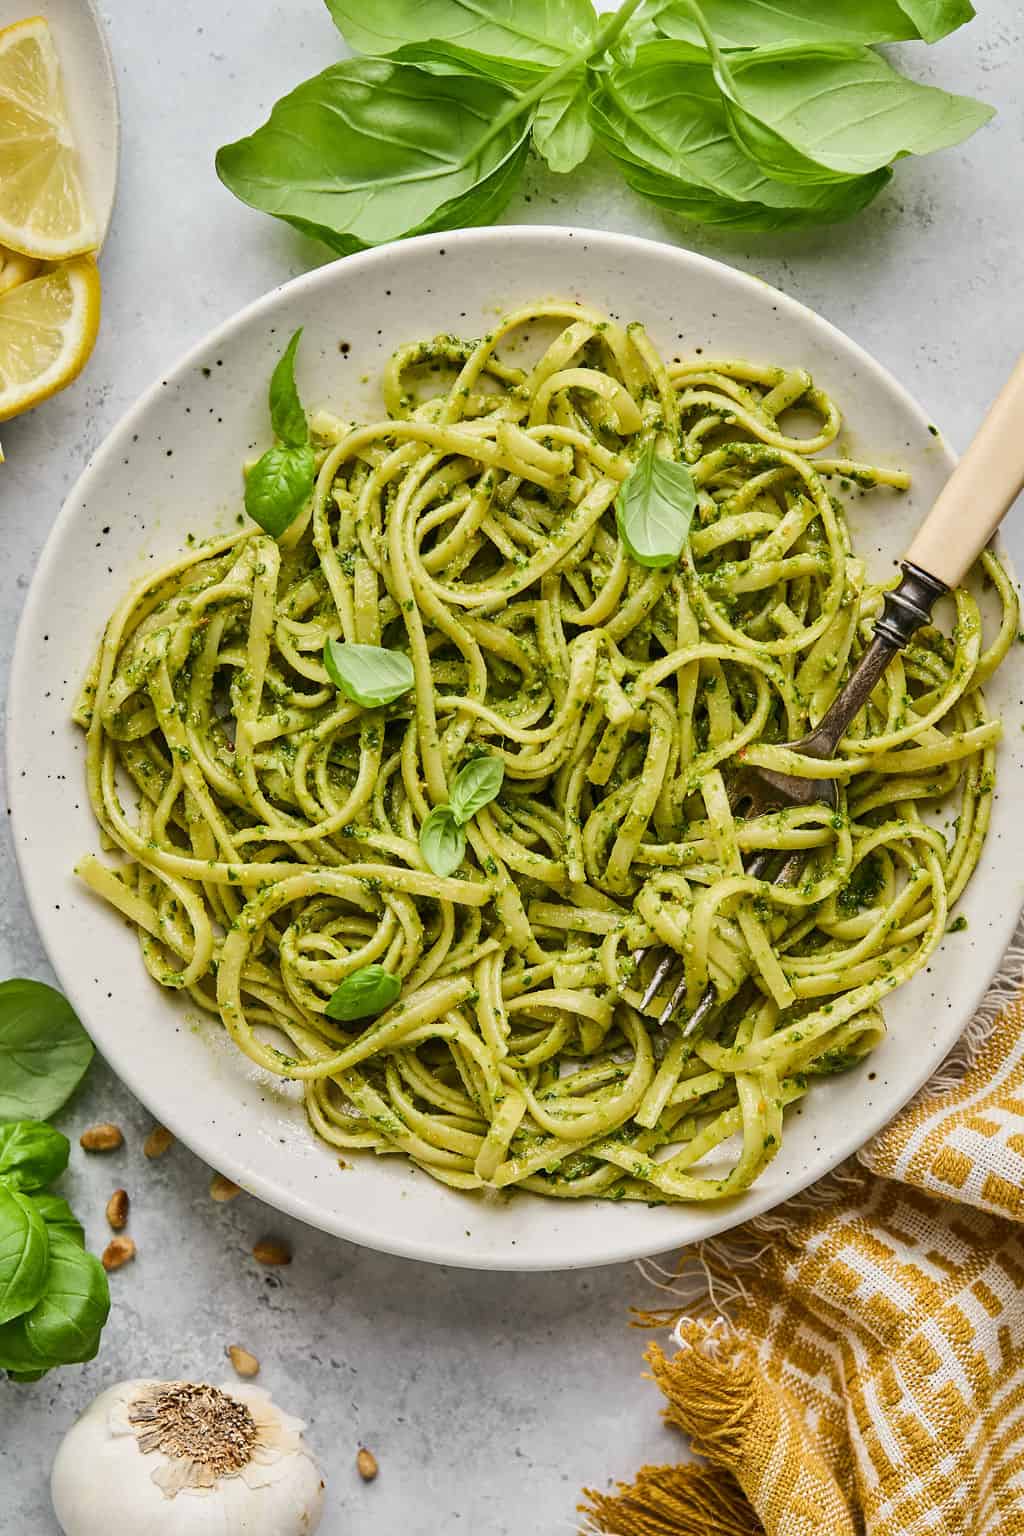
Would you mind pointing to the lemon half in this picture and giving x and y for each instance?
(43, 208)
(48, 328)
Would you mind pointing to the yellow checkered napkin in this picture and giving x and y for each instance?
(869, 1376)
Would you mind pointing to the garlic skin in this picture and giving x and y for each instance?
(253, 1477)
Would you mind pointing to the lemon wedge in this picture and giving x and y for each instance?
(48, 328)
(43, 207)
(15, 268)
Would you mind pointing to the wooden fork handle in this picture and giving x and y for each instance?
(978, 493)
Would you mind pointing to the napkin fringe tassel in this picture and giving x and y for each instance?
(716, 1393)
(712, 1394)
(667, 1501)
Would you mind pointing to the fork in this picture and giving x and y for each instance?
(969, 509)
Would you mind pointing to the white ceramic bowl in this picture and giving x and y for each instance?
(173, 467)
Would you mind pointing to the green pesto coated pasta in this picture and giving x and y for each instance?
(270, 826)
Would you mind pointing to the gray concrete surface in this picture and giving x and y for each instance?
(489, 1400)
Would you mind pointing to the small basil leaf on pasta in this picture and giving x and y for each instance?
(32, 1154)
(287, 416)
(364, 994)
(442, 841)
(369, 675)
(475, 786)
(278, 487)
(654, 509)
(279, 484)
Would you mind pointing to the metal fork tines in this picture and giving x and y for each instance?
(670, 961)
(753, 791)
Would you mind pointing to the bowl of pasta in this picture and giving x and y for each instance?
(384, 746)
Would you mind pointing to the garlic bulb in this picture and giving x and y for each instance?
(170, 1458)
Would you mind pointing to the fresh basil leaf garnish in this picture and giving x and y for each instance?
(475, 786)
(64, 1326)
(561, 126)
(281, 482)
(278, 487)
(371, 150)
(661, 117)
(809, 115)
(783, 23)
(369, 675)
(44, 1051)
(18, 1358)
(32, 1154)
(59, 1216)
(364, 994)
(448, 58)
(798, 121)
(654, 508)
(534, 31)
(937, 18)
(24, 1255)
(442, 841)
(287, 417)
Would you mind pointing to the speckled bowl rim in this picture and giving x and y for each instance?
(220, 1152)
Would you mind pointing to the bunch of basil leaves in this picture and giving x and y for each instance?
(54, 1297)
(757, 114)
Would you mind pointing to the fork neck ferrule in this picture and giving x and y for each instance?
(908, 606)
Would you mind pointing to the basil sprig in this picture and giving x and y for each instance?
(369, 675)
(757, 114)
(654, 508)
(64, 1325)
(280, 483)
(442, 835)
(364, 994)
(54, 1297)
